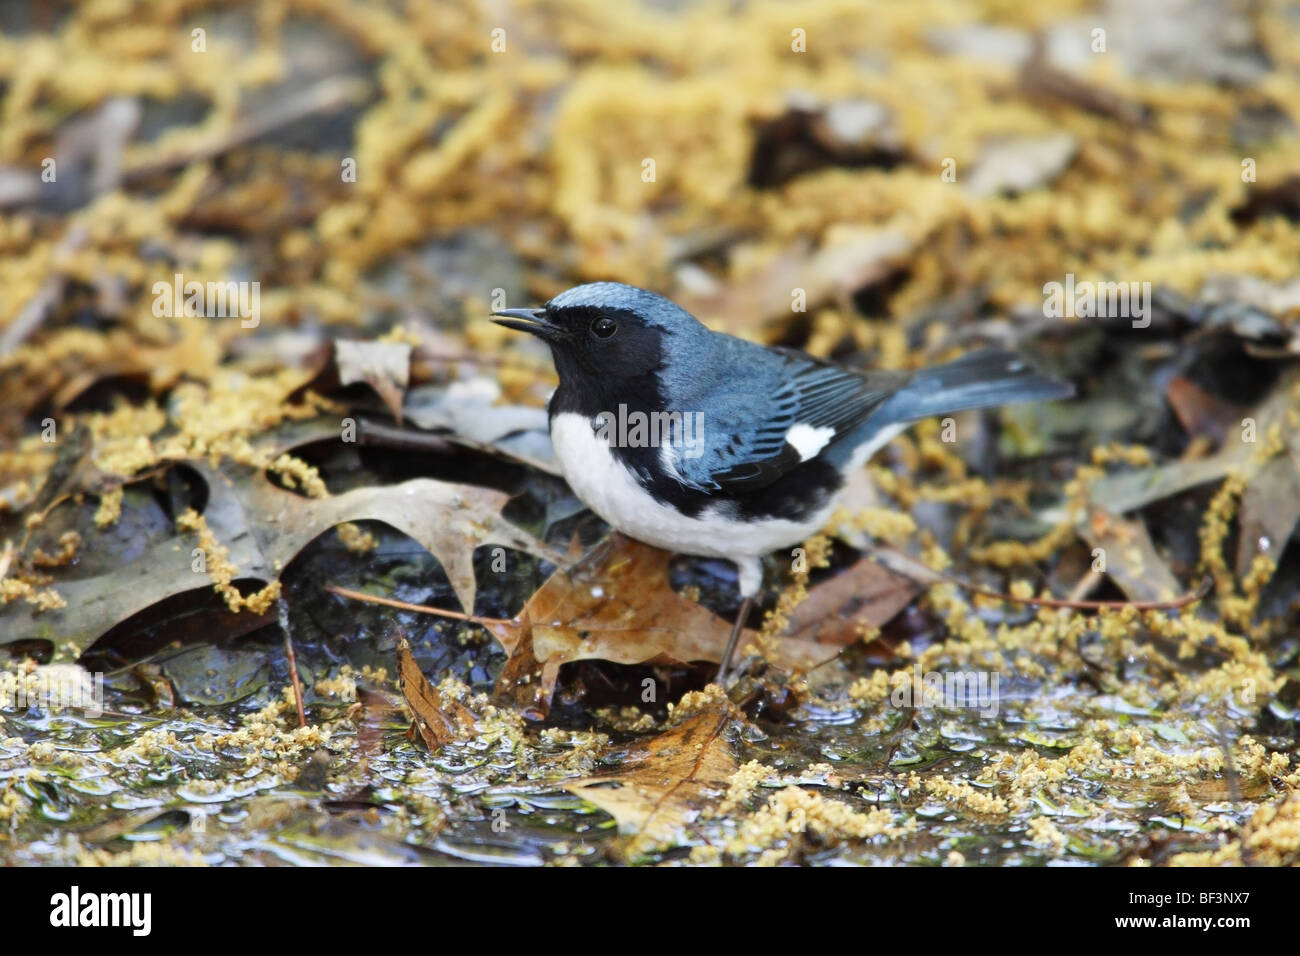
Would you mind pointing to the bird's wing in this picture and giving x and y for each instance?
(752, 440)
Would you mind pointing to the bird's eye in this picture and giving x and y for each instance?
(604, 327)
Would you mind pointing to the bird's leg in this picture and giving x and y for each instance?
(750, 581)
(725, 666)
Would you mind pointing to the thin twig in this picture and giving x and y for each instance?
(1190, 597)
(293, 662)
(297, 681)
(908, 567)
(417, 608)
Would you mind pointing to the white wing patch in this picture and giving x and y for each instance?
(808, 440)
(668, 459)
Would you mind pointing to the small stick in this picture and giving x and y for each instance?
(297, 682)
(293, 662)
(909, 568)
(1191, 597)
(417, 608)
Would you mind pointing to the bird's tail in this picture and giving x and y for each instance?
(979, 380)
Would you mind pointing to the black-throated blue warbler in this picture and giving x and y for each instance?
(702, 443)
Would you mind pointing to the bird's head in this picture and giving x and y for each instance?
(606, 331)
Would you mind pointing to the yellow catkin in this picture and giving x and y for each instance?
(216, 559)
(815, 553)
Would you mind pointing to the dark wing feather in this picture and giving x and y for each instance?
(747, 444)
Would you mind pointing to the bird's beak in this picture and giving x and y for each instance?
(532, 321)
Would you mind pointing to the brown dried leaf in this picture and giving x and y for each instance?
(525, 684)
(1041, 79)
(1201, 413)
(450, 520)
(615, 604)
(663, 784)
(835, 611)
(1270, 506)
(438, 721)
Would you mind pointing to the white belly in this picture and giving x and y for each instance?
(608, 488)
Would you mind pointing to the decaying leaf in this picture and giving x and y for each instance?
(525, 683)
(1199, 412)
(384, 366)
(263, 527)
(1270, 506)
(1126, 491)
(437, 721)
(616, 604)
(663, 784)
(1131, 558)
(1041, 79)
(862, 596)
(470, 413)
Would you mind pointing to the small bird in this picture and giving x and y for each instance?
(702, 443)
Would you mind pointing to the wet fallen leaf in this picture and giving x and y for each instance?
(263, 527)
(663, 784)
(616, 605)
(321, 838)
(524, 683)
(122, 825)
(449, 520)
(212, 676)
(470, 412)
(437, 721)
